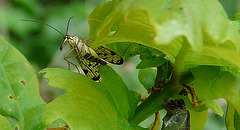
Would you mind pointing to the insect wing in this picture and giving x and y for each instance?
(89, 54)
(91, 69)
(108, 55)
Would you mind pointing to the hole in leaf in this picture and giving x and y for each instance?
(114, 28)
(61, 125)
(23, 82)
(10, 97)
(112, 33)
(49, 93)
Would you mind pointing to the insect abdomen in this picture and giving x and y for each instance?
(91, 58)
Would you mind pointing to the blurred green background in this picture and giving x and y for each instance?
(40, 44)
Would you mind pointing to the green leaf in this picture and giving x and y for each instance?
(147, 77)
(88, 104)
(232, 118)
(155, 102)
(215, 107)
(117, 94)
(150, 57)
(236, 21)
(134, 99)
(163, 24)
(163, 74)
(236, 17)
(20, 101)
(211, 83)
(58, 123)
(151, 54)
(198, 119)
(236, 120)
(187, 77)
(4, 123)
(212, 55)
(127, 50)
(158, 61)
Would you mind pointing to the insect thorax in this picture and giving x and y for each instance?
(82, 50)
(75, 42)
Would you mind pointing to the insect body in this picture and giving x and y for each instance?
(89, 59)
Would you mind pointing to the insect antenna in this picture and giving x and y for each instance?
(42, 23)
(68, 24)
(66, 36)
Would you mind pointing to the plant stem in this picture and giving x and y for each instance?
(153, 103)
(157, 100)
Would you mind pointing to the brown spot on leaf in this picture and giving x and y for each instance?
(59, 128)
(10, 97)
(23, 82)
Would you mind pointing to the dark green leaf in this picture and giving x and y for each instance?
(127, 50)
(236, 16)
(147, 77)
(155, 102)
(232, 118)
(158, 61)
(236, 120)
(134, 99)
(163, 74)
(187, 77)
(211, 83)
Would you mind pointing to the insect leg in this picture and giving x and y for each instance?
(69, 62)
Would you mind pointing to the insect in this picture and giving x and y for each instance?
(89, 59)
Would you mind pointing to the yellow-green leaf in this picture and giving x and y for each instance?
(20, 101)
(163, 24)
(4, 123)
(211, 83)
(88, 104)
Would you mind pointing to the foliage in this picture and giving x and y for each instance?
(189, 50)
(20, 101)
(101, 106)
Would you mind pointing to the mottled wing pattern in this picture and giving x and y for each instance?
(91, 69)
(108, 55)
